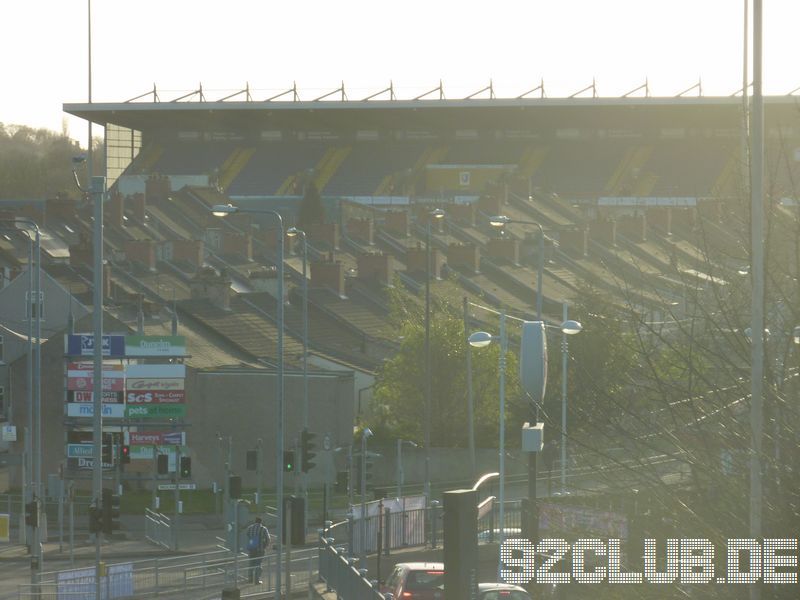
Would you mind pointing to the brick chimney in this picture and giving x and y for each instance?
(376, 267)
(157, 188)
(265, 279)
(633, 227)
(462, 213)
(239, 244)
(415, 261)
(190, 251)
(82, 253)
(466, 256)
(574, 242)
(323, 235)
(604, 231)
(504, 249)
(141, 251)
(361, 229)
(491, 205)
(684, 217)
(208, 285)
(113, 210)
(660, 216)
(61, 207)
(396, 223)
(328, 274)
(138, 205)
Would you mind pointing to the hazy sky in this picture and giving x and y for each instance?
(177, 44)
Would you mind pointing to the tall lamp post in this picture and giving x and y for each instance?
(222, 210)
(365, 434)
(500, 221)
(293, 232)
(400, 473)
(479, 339)
(437, 214)
(567, 328)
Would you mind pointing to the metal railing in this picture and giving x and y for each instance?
(199, 576)
(157, 528)
(340, 573)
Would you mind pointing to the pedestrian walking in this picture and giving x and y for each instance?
(257, 543)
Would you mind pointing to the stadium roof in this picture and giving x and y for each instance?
(495, 113)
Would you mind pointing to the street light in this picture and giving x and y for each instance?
(500, 221)
(568, 327)
(400, 472)
(481, 339)
(223, 210)
(437, 214)
(367, 433)
(293, 232)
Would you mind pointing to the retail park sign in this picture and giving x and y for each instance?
(155, 345)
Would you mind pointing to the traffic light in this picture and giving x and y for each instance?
(162, 464)
(105, 456)
(235, 487)
(32, 513)
(288, 461)
(368, 469)
(111, 511)
(186, 467)
(124, 454)
(95, 519)
(341, 481)
(307, 447)
(252, 460)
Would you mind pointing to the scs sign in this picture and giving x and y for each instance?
(155, 397)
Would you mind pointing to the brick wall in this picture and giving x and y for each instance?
(138, 205)
(240, 244)
(157, 189)
(462, 213)
(328, 274)
(361, 229)
(415, 261)
(604, 231)
(190, 251)
(141, 251)
(465, 256)
(376, 267)
(504, 249)
(396, 223)
(574, 242)
(324, 236)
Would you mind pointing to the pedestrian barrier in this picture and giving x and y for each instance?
(157, 528)
(340, 573)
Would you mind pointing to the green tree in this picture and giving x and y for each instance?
(311, 210)
(400, 386)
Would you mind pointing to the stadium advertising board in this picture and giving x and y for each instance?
(86, 409)
(155, 345)
(108, 397)
(157, 438)
(156, 411)
(137, 384)
(155, 397)
(82, 344)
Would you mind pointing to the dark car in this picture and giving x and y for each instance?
(416, 581)
(501, 591)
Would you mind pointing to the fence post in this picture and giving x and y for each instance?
(387, 527)
(434, 516)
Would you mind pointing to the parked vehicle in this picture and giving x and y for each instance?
(502, 591)
(417, 581)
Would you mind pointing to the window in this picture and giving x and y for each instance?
(30, 307)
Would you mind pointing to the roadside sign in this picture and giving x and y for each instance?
(156, 411)
(181, 486)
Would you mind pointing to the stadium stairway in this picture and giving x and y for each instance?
(233, 165)
(531, 160)
(329, 164)
(632, 162)
(147, 157)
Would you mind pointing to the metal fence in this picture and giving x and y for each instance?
(158, 529)
(340, 573)
(200, 577)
